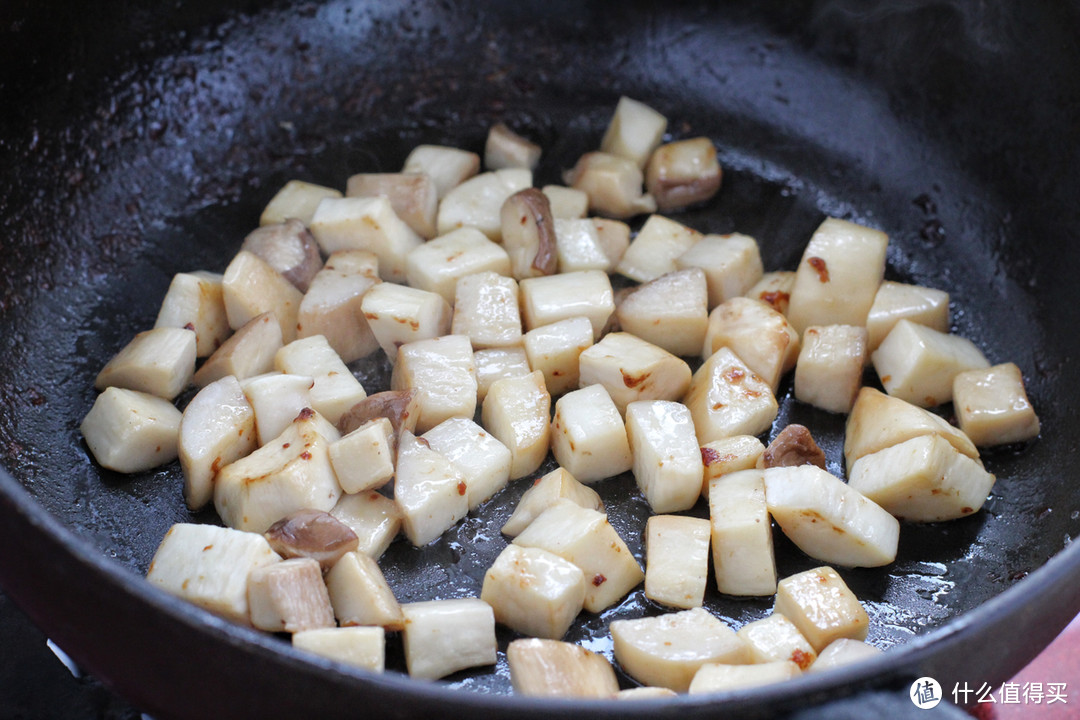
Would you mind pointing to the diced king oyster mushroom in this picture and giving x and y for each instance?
(366, 223)
(683, 173)
(555, 349)
(728, 455)
(774, 288)
(793, 446)
(289, 596)
(645, 692)
(400, 407)
(296, 199)
(364, 458)
(579, 247)
(828, 519)
(159, 362)
(896, 301)
(634, 131)
(545, 492)
(829, 372)
(374, 518)
(448, 167)
(613, 184)
(656, 249)
(632, 369)
(566, 203)
(775, 638)
(667, 457)
(552, 668)
(587, 293)
(587, 539)
(217, 428)
(441, 637)
(438, 264)
(918, 364)
(130, 431)
(332, 306)
(277, 399)
(360, 594)
(442, 373)
(478, 201)
(399, 314)
(993, 407)
(335, 390)
(413, 196)
(666, 650)
(822, 607)
(486, 309)
(516, 410)
(676, 560)
(430, 492)
(194, 301)
(843, 651)
(363, 647)
(670, 311)
(312, 534)
(497, 363)
(588, 436)
(249, 352)
(726, 398)
(534, 592)
(478, 455)
(759, 335)
(742, 545)
(720, 677)
(504, 148)
(250, 287)
(289, 248)
(209, 566)
(289, 473)
(732, 265)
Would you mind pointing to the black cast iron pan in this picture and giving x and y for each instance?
(141, 141)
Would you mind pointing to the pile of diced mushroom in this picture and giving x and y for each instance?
(493, 298)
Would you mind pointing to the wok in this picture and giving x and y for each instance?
(140, 140)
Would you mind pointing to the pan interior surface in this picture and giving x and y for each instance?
(128, 174)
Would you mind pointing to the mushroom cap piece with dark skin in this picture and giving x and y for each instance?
(397, 406)
(528, 234)
(794, 446)
(312, 534)
(289, 248)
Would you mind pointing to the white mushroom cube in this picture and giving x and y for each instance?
(289, 596)
(362, 647)
(829, 372)
(566, 203)
(209, 566)
(993, 407)
(828, 519)
(217, 428)
(249, 352)
(335, 390)
(517, 411)
(613, 184)
(838, 276)
(683, 173)
(552, 668)
(843, 651)
(726, 398)
(288, 248)
(924, 479)
(878, 421)
(366, 223)
(545, 300)
(728, 455)
(413, 196)
(158, 362)
(399, 314)
(374, 518)
(364, 459)
(667, 457)
(775, 639)
(666, 650)
(277, 399)
(444, 636)
(635, 130)
(670, 311)
(588, 436)
(360, 595)
(545, 492)
(554, 350)
(657, 247)
(577, 243)
(614, 238)
(250, 287)
(442, 373)
(534, 592)
(632, 369)
(448, 167)
(486, 309)
(438, 264)
(297, 199)
(497, 363)
(645, 692)
(478, 201)
(431, 493)
(774, 288)
(291, 472)
(332, 306)
(587, 539)
(822, 607)
(130, 431)
(676, 560)
(504, 148)
(918, 364)
(742, 545)
(898, 301)
(721, 677)
(760, 336)
(194, 300)
(480, 457)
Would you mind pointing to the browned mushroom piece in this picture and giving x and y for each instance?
(312, 534)
(400, 407)
(528, 234)
(683, 173)
(793, 446)
(412, 195)
(289, 248)
(506, 149)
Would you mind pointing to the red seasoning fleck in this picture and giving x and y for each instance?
(819, 265)
(801, 658)
(598, 580)
(709, 456)
(462, 488)
(305, 455)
